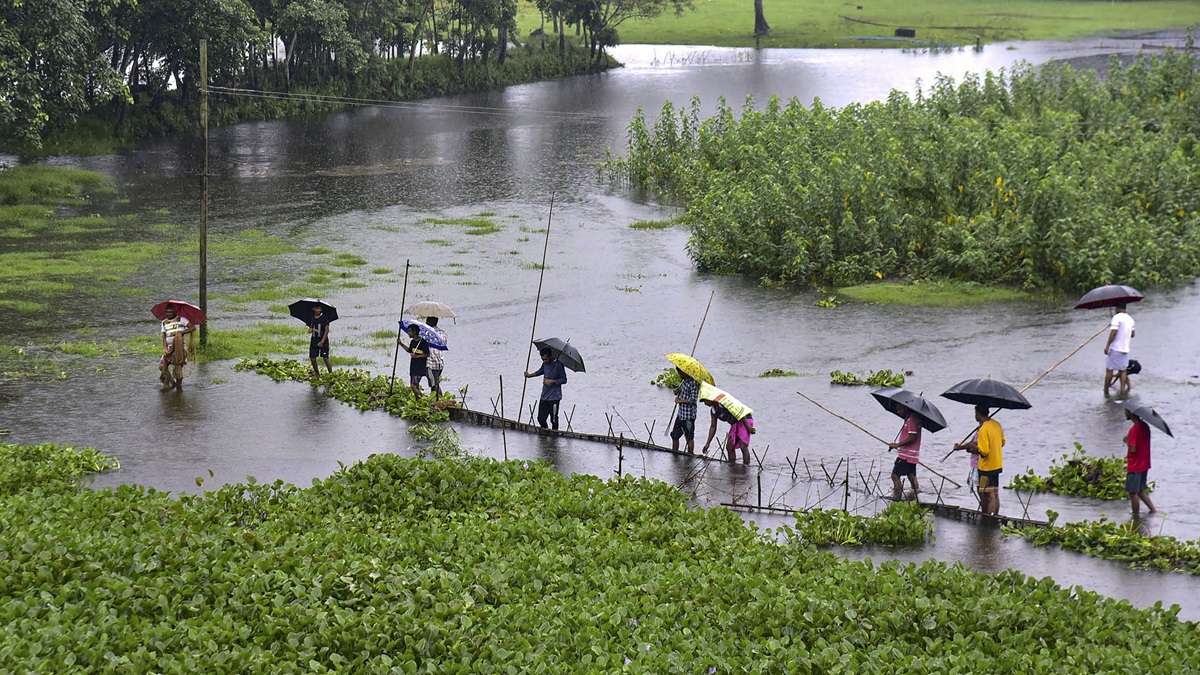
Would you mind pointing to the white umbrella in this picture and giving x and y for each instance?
(431, 308)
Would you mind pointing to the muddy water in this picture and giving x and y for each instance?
(365, 180)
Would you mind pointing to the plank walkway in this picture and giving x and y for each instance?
(959, 513)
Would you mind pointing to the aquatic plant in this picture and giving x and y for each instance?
(406, 565)
(778, 372)
(1079, 475)
(669, 378)
(900, 524)
(1118, 541)
(652, 225)
(357, 388)
(45, 465)
(874, 378)
(828, 302)
(1033, 178)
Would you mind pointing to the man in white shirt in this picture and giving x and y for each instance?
(1120, 337)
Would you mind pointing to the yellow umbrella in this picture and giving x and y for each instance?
(691, 366)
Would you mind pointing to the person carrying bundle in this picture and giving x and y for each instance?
(736, 414)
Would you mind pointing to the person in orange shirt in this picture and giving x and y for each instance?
(988, 444)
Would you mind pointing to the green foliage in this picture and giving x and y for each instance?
(668, 379)
(900, 524)
(1034, 178)
(874, 378)
(47, 466)
(778, 372)
(652, 224)
(34, 184)
(828, 302)
(1079, 475)
(1118, 541)
(357, 388)
(932, 293)
(407, 565)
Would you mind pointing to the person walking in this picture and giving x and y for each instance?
(1116, 352)
(318, 341)
(437, 361)
(988, 445)
(737, 415)
(908, 448)
(686, 395)
(174, 351)
(418, 365)
(554, 376)
(1137, 463)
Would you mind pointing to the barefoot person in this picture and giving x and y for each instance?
(1137, 464)
(437, 361)
(1116, 352)
(174, 354)
(736, 414)
(318, 341)
(908, 449)
(418, 365)
(554, 376)
(686, 396)
(988, 444)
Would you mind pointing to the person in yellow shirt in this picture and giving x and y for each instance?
(988, 444)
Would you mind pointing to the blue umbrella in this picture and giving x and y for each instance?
(427, 332)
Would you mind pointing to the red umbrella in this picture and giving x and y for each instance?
(1112, 295)
(187, 310)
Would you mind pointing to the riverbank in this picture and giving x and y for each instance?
(116, 127)
(506, 564)
(832, 23)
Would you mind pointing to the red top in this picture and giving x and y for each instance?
(1138, 440)
(910, 440)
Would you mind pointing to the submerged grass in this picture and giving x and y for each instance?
(932, 293)
(652, 225)
(236, 343)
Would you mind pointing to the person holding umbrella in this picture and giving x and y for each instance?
(988, 445)
(437, 361)
(1137, 456)
(418, 365)
(737, 415)
(691, 374)
(1116, 351)
(174, 353)
(918, 414)
(554, 376)
(318, 341)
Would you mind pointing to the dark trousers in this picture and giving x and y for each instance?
(548, 410)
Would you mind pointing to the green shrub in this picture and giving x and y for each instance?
(1079, 475)
(900, 524)
(874, 378)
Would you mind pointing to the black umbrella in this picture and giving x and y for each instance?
(902, 402)
(1109, 296)
(1148, 415)
(563, 351)
(991, 393)
(303, 310)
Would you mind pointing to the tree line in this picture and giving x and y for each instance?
(63, 58)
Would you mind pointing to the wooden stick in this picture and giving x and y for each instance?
(396, 356)
(503, 422)
(538, 301)
(860, 428)
(695, 343)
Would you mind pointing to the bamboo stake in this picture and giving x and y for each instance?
(865, 431)
(537, 301)
(503, 420)
(396, 356)
(695, 343)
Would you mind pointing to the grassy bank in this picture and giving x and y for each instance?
(468, 564)
(835, 23)
(1044, 179)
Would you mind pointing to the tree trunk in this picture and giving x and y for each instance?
(503, 37)
(760, 22)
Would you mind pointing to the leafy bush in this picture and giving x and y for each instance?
(402, 565)
(1035, 178)
(778, 372)
(1079, 475)
(1118, 541)
(669, 379)
(23, 467)
(357, 388)
(874, 378)
(900, 524)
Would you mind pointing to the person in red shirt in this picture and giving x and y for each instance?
(1137, 463)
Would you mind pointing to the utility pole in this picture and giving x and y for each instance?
(204, 192)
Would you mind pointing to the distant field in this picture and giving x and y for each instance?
(838, 23)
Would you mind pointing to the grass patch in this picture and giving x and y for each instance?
(381, 270)
(533, 266)
(53, 185)
(932, 293)
(485, 214)
(382, 334)
(465, 222)
(479, 231)
(352, 284)
(89, 349)
(532, 230)
(348, 260)
(778, 372)
(319, 250)
(652, 225)
(261, 339)
(439, 242)
(26, 307)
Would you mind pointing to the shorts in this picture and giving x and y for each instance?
(1135, 482)
(435, 377)
(904, 468)
(316, 349)
(416, 369)
(684, 428)
(989, 480)
(1116, 360)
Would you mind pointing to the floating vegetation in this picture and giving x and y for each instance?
(357, 388)
(828, 302)
(533, 266)
(1079, 475)
(439, 242)
(900, 524)
(348, 260)
(932, 293)
(24, 467)
(874, 378)
(669, 379)
(629, 289)
(381, 270)
(1117, 541)
(778, 372)
(652, 225)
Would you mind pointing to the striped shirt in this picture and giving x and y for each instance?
(689, 390)
(910, 440)
(436, 359)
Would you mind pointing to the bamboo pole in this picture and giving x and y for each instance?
(204, 192)
(503, 420)
(1031, 385)
(695, 343)
(396, 356)
(537, 302)
(856, 425)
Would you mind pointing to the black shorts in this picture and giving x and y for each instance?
(684, 428)
(989, 480)
(903, 468)
(1135, 482)
(316, 349)
(416, 368)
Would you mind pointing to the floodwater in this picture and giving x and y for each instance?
(364, 181)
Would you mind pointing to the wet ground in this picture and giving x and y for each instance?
(365, 180)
